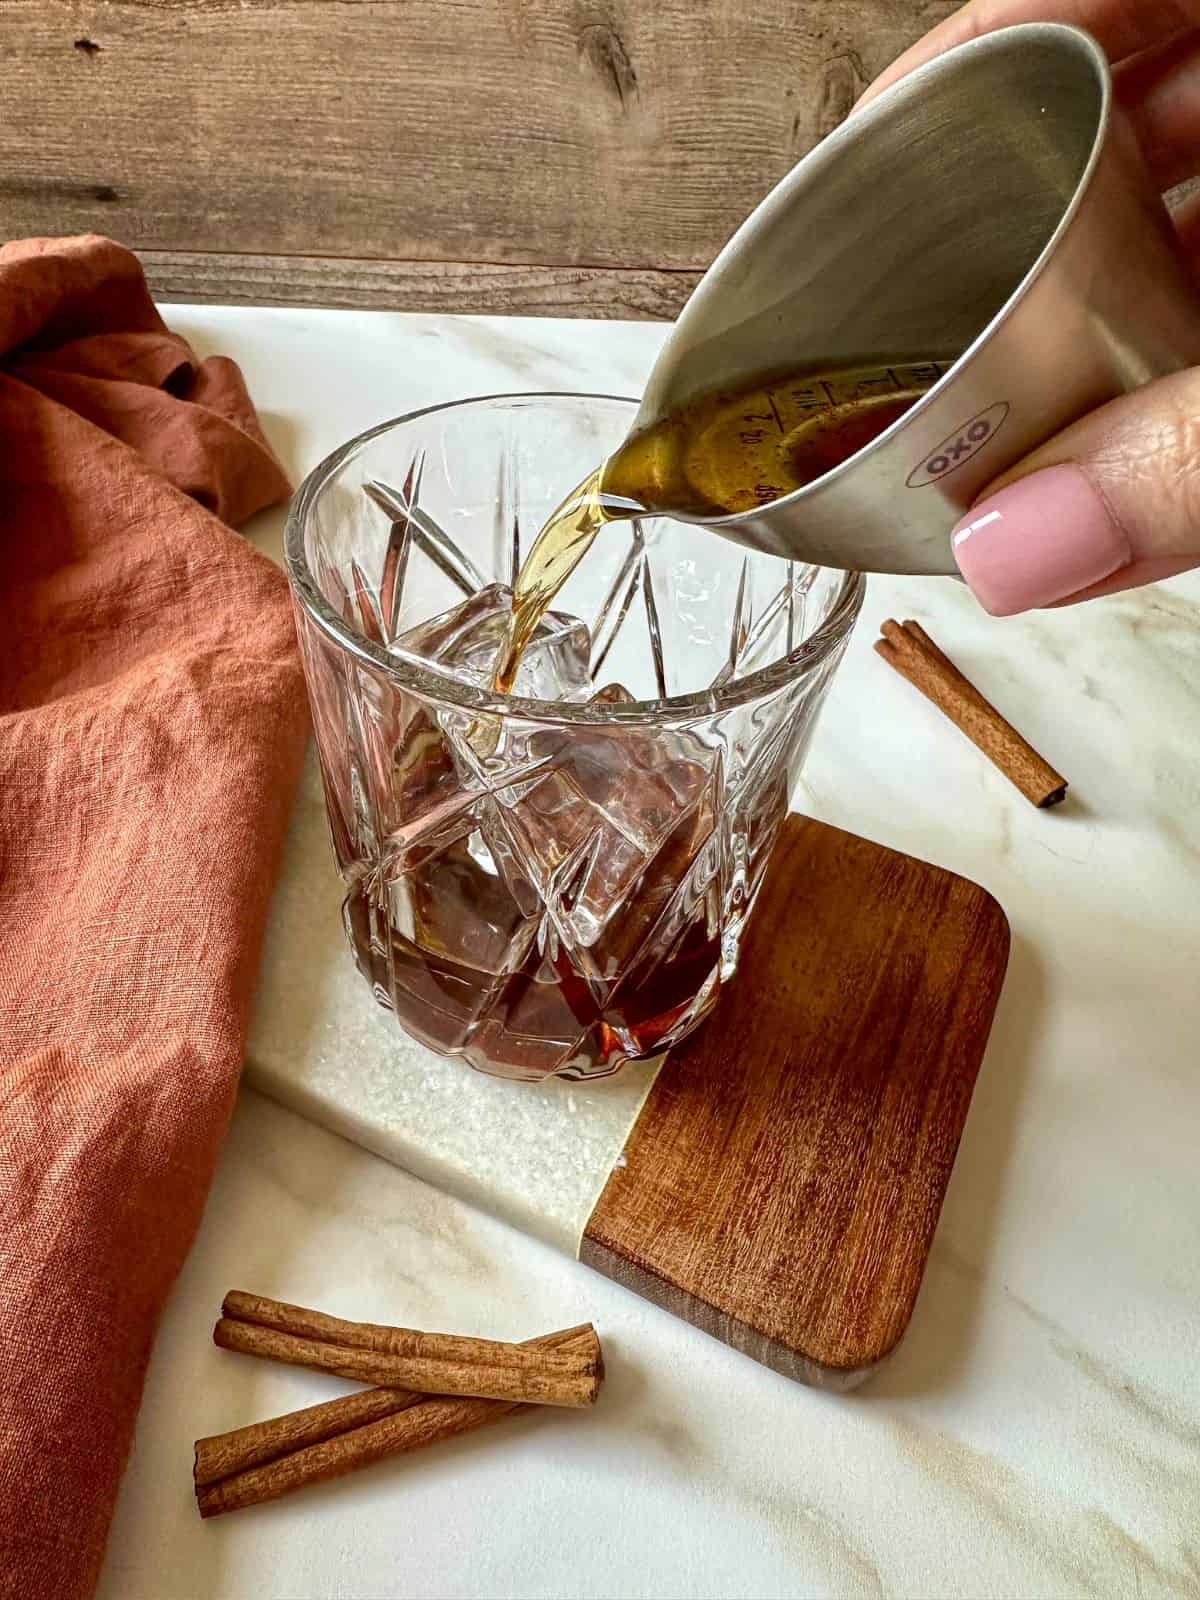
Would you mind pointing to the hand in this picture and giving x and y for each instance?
(1114, 500)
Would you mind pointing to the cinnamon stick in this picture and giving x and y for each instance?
(275, 1458)
(411, 1429)
(546, 1385)
(912, 653)
(224, 1454)
(307, 1324)
(221, 1455)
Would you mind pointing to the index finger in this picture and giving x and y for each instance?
(1123, 27)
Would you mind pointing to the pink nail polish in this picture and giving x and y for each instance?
(1037, 541)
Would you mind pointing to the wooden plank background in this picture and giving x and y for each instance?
(553, 156)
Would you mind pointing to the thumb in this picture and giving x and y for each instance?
(1111, 502)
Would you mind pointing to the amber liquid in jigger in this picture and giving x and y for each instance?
(723, 452)
(522, 999)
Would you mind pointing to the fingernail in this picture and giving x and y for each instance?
(1037, 541)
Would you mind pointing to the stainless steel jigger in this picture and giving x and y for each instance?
(992, 209)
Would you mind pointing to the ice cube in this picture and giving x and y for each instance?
(466, 641)
(606, 830)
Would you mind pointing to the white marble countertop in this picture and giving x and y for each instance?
(1038, 1432)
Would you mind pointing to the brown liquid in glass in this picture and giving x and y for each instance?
(726, 451)
(469, 972)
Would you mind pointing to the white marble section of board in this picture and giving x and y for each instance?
(535, 1154)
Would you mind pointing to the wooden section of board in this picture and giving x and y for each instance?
(591, 137)
(782, 1184)
(203, 277)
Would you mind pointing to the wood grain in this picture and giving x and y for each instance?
(603, 136)
(783, 1182)
(206, 277)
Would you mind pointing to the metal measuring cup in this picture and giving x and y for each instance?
(991, 210)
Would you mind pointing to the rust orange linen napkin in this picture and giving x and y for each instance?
(152, 723)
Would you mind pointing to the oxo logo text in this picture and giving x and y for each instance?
(962, 444)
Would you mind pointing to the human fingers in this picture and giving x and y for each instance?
(1123, 28)
(1112, 500)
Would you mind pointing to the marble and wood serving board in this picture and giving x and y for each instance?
(883, 764)
(778, 1180)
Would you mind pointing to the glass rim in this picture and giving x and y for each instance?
(431, 683)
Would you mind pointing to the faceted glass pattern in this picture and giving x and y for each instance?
(554, 881)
